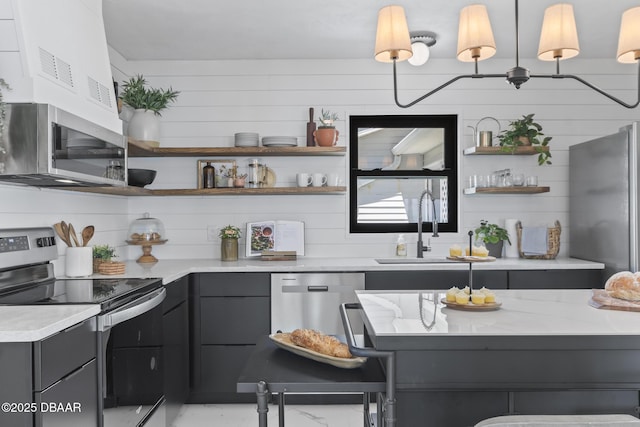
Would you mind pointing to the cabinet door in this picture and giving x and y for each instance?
(220, 373)
(434, 279)
(555, 279)
(234, 320)
(176, 360)
(177, 292)
(16, 377)
(72, 401)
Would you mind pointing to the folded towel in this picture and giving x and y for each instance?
(534, 240)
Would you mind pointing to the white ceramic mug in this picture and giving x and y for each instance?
(333, 179)
(318, 179)
(79, 261)
(303, 179)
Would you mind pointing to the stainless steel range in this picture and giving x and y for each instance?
(130, 343)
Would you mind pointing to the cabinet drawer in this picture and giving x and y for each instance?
(440, 280)
(58, 355)
(234, 320)
(78, 393)
(555, 279)
(234, 284)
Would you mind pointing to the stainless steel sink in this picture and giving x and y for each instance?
(401, 260)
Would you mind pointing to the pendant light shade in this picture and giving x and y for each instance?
(475, 37)
(629, 39)
(392, 38)
(559, 36)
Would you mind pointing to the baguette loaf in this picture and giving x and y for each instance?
(319, 342)
(624, 285)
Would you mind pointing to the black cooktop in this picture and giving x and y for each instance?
(109, 293)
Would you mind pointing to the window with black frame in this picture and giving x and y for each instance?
(393, 161)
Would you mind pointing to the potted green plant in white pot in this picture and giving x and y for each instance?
(493, 236)
(326, 135)
(147, 103)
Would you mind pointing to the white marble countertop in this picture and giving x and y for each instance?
(170, 270)
(32, 323)
(557, 312)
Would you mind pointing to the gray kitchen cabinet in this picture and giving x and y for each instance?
(434, 279)
(57, 376)
(228, 313)
(556, 279)
(175, 322)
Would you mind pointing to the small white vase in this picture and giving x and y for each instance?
(144, 126)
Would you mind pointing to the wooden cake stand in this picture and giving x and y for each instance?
(146, 249)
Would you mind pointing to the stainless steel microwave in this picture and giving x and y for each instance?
(44, 146)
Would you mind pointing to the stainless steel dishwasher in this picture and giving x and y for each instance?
(312, 300)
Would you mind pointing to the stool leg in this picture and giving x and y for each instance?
(365, 409)
(262, 393)
(281, 410)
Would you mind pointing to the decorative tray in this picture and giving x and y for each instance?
(472, 258)
(490, 306)
(283, 341)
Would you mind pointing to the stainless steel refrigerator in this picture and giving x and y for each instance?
(603, 200)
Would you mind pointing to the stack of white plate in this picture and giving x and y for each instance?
(280, 141)
(247, 139)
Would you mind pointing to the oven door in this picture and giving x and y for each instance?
(131, 361)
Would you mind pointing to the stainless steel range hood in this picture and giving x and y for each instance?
(55, 52)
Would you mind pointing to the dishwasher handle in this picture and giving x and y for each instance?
(296, 289)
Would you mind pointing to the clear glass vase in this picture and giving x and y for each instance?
(229, 250)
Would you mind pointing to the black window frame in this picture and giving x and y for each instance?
(449, 122)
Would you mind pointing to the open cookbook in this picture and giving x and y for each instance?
(275, 236)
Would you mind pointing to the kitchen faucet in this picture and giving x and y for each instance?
(434, 224)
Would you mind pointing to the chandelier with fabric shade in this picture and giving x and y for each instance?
(558, 41)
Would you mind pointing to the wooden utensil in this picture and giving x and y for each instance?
(311, 127)
(65, 232)
(72, 233)
(87, 234)
(61, 234)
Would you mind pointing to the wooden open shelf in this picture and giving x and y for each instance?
(137, 191)
(496, 151)
(506, 190)
(142, 149)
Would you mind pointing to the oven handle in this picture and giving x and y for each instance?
(133, 309)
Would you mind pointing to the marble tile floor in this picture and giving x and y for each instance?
(245, 415)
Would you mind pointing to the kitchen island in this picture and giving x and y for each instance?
(541, 352)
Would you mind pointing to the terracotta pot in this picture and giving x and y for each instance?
(326, 137)
(144, 126)
(524, 140)
(229, 250)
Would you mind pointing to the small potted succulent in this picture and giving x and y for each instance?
(144, 125)
(526, 132)
(326, 135)
(229, 236)
(493, 236)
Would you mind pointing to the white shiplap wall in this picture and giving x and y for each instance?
(220, 98)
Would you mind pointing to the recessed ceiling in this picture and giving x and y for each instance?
(331, 29)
